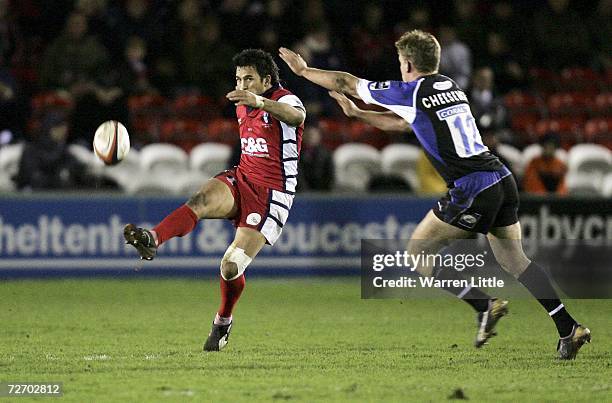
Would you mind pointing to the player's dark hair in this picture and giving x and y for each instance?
(421, 49)
(261, 60)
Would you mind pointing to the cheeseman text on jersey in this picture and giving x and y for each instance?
(440, 116)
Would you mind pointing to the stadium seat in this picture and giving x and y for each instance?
(210, 158)
(569, 104)
(6, 184)
(579, 78)
(355, 164)
(519, 101)
(360, 132)
(126, 171)
(543, 80)
(10, 155)
(146, 103)
(193, 106)
(602, 106)
(401, 160)
(222, 131)
(163, 157)
(146, 113)
(51, 101)
(189, 183)
(334, 132)
(523, 124)
(183, 133)
(590, 158)
(535, 150)
(606, 186)
(583, 183)
(84, 155)
(159, 182)
(599, 131)
(568, 129)
(514, 156)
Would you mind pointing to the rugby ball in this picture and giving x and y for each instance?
(111, 142)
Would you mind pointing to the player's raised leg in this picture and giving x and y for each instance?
(239, 254)
(431, 235)
(213, 200)
(508, 250)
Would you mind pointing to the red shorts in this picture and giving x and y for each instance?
(259, 207)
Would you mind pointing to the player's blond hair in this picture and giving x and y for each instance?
(421, 49)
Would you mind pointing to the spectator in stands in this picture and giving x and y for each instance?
(74, 57)
(316, 168)
(419, 18)
(46, 162)
(430, 181)
(509, 73)
(318, 48)
(601, 32)
(135, 72)
(141, 18)
(455, 57)
(487, 108)
(9, 109)
(206, 57)
(546, 174)
(9, 32)
(78, 63)
(97, 21)
(468, 21)
(561, 35)
(370, 44)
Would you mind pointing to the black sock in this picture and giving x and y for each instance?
(537, 282)
(473, 296)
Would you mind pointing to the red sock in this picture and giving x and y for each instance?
(178, 223)
(230, 292)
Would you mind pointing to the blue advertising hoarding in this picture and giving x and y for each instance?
(61, 234)
(64, 234)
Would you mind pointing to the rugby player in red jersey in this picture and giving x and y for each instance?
(257, 194)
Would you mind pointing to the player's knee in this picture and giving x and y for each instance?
(234, 263)
(229, 270)
(513, 265)
(198, 203)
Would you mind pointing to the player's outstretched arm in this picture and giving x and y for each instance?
(284, 112)
(387, 121)
(332, 80)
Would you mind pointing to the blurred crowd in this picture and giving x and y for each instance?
(163, 66)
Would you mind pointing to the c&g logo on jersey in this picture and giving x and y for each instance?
(251, 145)
(380, 85)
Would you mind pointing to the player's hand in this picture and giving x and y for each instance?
(295, 62)
(243, 97)
(348, 107)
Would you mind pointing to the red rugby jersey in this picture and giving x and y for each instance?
(270, 148)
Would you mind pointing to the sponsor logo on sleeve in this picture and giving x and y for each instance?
(442, 85)
(380, 85)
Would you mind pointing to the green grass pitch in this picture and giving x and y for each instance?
(293, 340)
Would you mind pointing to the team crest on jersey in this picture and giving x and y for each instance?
(266, 118)
(442, 85)
(253, 219)
(380, 85)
